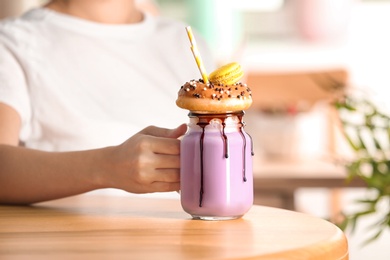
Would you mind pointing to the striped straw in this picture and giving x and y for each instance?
(197, 56)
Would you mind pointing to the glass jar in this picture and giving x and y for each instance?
(216, 167)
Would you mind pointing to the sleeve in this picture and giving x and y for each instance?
(13, 87)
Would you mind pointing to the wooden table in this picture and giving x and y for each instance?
(109, 227)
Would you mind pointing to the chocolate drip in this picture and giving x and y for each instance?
(203, 126)
(243, 155)
(204, 120)
(225, 140)
(250, 137)
(243, 147)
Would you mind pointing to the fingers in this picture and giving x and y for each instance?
(163, 161)
(164, 168)
(179, 131)
(157, 186)
(167, 175)
(162, 140)
(164, 145)
(164, 132)
(165, 186)
(158, 145)
(152, 160)
(151, 167)
(158, 181)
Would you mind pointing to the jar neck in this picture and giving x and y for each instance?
(216, 115)
(226, 119)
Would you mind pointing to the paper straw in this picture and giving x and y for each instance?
(197, 56)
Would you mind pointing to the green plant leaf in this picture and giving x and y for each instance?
(370, 163)
(373, 238)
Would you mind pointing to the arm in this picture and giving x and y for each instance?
(146, 162)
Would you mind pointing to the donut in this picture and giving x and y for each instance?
(227, 74)
(199, 97)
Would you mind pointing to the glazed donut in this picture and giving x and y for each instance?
(214, 98)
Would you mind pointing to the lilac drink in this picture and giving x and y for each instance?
(216, 167)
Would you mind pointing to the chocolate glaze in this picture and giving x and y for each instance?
(201, 164)
(204, 120)
(225, 140)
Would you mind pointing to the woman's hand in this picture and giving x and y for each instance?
(147, 162)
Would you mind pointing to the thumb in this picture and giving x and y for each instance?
(165, 132)
(178, 131)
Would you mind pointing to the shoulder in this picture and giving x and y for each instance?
(16, 29)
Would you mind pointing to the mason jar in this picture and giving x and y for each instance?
(216, 167)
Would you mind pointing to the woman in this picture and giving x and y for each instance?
(77, 78)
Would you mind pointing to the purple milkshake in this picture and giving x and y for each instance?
(216, 153)
(216, 167)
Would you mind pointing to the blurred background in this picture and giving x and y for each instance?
(293, 52)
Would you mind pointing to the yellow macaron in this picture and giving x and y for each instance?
(228, 74)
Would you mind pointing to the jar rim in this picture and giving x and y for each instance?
(212, 114)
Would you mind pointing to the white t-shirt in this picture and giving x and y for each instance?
(79, 85)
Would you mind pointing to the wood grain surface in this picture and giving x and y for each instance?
(117, 227)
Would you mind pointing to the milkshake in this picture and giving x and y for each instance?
(216, 152)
